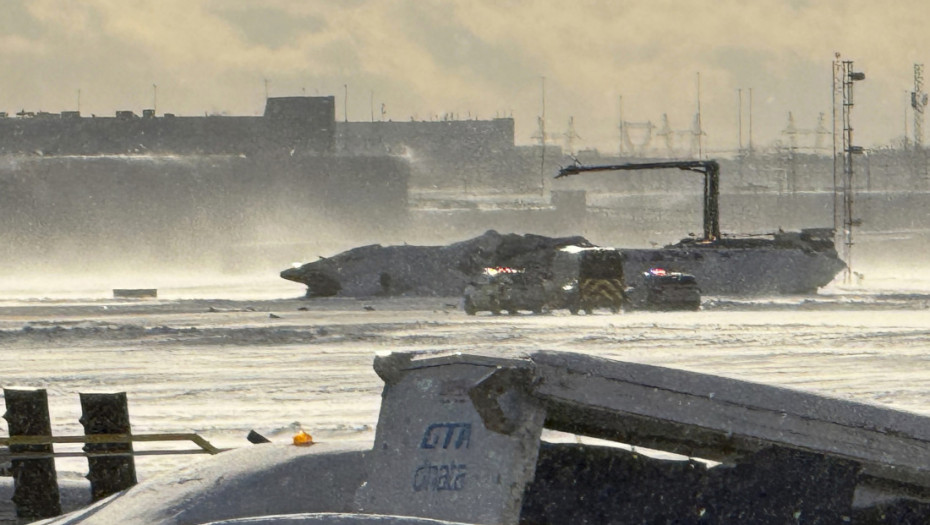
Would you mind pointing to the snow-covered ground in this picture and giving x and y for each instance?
(223, 359)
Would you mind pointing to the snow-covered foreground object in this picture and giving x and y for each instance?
(459, 440)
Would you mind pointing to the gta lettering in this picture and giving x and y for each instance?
(439, 477)
(440, 435)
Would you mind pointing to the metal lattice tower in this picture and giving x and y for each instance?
(644, 131)
(792, 131)
(918, 103)
(667, 133)
(821, 131)
(843, 79)
(570, 136)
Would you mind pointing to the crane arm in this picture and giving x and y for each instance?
(710, 169)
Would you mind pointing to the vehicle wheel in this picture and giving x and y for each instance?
(589, 311)
(470, 307)
(495, 307)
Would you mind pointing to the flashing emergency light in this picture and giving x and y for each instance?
(502, 269)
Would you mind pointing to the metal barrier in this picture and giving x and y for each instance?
(204, 446)
(107, 443)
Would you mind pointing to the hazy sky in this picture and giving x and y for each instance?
(474, 58)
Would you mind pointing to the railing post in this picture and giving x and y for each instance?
(35, 482)
(107, 414)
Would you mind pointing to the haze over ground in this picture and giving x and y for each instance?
(474, 58)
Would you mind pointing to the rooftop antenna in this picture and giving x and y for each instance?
(79, 100)
(345, 103)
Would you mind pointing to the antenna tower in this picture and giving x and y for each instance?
(843, 79)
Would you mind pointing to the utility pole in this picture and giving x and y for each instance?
(345, 103)
(154, 99)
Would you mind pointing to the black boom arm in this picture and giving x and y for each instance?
(710, 169)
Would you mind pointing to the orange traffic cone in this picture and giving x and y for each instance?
(302, 439)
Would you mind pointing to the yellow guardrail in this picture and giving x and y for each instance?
(204, 446)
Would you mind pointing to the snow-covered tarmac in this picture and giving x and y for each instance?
(221, 367)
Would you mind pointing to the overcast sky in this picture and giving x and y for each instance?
(474, 58)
